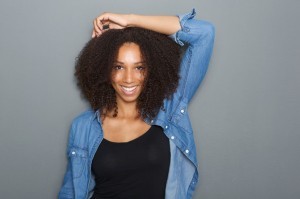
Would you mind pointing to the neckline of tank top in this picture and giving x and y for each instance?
(133, 140)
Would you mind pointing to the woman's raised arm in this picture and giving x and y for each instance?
(162, 24)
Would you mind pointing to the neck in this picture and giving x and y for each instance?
(127, 110)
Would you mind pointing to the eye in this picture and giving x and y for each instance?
(140, 67)
(118, 67)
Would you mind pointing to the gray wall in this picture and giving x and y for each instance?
(245, 115)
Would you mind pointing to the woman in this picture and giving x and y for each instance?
(137, 141)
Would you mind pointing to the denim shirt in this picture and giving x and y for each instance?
(86, 131)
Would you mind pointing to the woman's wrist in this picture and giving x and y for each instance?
(162, 24)
(132, 20)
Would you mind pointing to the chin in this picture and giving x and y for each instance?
(128, 99)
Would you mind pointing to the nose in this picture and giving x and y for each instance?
(128, 76)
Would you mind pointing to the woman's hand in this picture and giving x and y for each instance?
(109, 21)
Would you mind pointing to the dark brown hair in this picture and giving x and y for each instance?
(95, 63)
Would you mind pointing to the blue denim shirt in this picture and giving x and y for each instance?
(86, 131)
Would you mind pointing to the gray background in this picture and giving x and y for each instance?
(245, 115)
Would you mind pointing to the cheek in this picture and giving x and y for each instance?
(143, 75)
(142, 78)
(115, 77)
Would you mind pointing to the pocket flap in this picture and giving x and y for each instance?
(78, 152)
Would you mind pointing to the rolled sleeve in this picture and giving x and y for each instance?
(199, 37)
(182, 19)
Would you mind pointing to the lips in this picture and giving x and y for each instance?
(128, 90)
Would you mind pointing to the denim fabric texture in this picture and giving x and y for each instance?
(86, 131)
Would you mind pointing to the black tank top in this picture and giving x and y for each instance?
(137, 169)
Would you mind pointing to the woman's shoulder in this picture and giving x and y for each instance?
(81, 126)
(84, 118)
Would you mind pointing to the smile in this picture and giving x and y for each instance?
(128, 90)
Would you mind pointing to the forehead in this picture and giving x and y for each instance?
(129, 52)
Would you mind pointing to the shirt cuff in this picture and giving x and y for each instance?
(182, 20)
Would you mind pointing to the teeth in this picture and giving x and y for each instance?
(129, 89)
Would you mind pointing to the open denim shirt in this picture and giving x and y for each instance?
(86, 131)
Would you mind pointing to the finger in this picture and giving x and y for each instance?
(96, 27)
(115, 26)
(100, 21)
(104, 21)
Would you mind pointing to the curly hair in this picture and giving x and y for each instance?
(94, 65)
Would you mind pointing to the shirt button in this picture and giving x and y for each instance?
(73, 152)
(166, 127)
(172, 137)
(187, 151)
(151, 121)
(182, 110)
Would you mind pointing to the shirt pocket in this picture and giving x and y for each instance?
(78, 158)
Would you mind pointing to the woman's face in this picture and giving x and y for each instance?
(128, 73)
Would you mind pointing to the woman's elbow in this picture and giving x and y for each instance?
(207, 30)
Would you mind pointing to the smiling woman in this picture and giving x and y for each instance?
(137, 140)
(129, 73)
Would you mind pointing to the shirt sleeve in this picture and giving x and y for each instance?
(198, 35)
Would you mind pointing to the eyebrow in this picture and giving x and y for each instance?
(136, 63)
